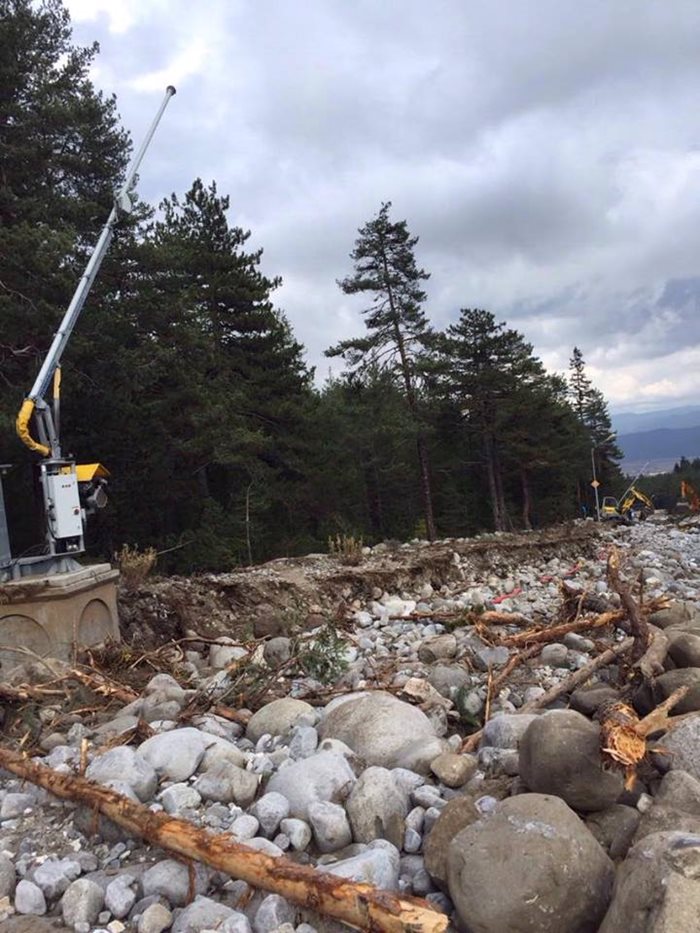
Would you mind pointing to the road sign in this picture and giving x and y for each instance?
(595, 484)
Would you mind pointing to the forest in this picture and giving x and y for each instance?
(186, 380)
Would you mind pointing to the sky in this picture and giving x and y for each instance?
(545, 152)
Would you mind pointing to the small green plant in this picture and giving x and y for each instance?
(346, 547)
(323, 658)
(135, 565)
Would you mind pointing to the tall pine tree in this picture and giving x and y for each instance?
(484, 365)
(397, 328)
(592, 412)
(62, 154)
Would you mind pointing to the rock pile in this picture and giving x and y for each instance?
(529, 833)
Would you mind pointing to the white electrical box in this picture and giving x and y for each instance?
(63, 505)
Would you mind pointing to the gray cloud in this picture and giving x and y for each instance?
(546, 154)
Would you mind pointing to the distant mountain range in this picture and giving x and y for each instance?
(660, 438)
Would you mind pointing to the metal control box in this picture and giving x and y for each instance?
(63, 501)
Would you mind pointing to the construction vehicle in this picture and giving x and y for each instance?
(634, 505)
(690, 500)
(70, 491)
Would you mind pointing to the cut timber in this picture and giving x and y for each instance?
(359, 905)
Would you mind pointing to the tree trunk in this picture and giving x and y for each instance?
(373, 498)
(527, 502)
(495, 491)
(423, 460)
(425, 487)
(359, 905)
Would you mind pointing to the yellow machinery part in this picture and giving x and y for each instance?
(22, 427)
(86, 472)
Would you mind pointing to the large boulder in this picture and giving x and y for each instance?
(384, 731)
(377, 807)
(277, 718)
(682, 677)
(614, 828)
(530, 867)
(459, 812)
(560, 755)
(678, 612)
(124, 764)
(684, 648)
(683, 745)
(657, 887)
(176, 755)
(323, 776)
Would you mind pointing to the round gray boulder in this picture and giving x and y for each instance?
(323, 776)
(384, 731)
(277, 718)
(530, 867)
(560, 755)
(657, 886)
(683, 745)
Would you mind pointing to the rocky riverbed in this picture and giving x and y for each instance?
(350, 755)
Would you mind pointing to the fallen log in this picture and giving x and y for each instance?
(566, 686)
(358, 905)
(555, 632)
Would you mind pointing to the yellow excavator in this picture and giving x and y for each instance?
(633, 506)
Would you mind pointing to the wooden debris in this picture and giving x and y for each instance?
(557, 632)
(651, 662)
(566, 686)
(638, 625)
(358, 905)
(623, 735)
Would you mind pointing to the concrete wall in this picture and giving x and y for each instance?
(50, 615)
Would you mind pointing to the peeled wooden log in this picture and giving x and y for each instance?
(358, 905)
(556, 632)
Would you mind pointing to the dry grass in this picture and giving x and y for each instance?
(135, 565)
(347, 548)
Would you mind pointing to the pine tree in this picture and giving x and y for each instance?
(62, 154)
(200, 396)
(483, 366)
(397, 328)
(592, 411)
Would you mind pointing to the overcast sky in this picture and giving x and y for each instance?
(546, 152)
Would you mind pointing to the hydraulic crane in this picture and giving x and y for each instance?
(70, 491)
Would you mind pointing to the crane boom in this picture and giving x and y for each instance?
(70, 492)
(34, 403)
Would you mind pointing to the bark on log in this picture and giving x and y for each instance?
(358, 905)
(652, 661)
(555, 632)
